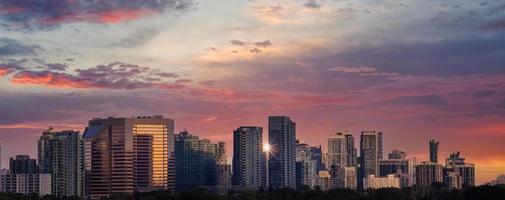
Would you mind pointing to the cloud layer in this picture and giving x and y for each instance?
(110, 76)
(37, 14)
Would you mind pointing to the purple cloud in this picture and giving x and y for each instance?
(110, 76)
(9, 47)
(43, 14)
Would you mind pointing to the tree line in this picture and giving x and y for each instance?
(436, 192)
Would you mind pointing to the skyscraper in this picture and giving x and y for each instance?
(337, 150)
(457, 164)
(428, 173)
(352, 153)
(123, 155)
(1, 157)
(370, 154)
(337, 159)
(22, 164)
(195, 162)
(61, 155)
(434, 151)
(282, 161)
(248, 158)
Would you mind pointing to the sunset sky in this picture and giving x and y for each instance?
(414, 69)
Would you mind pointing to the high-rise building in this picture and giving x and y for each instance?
(370, 154)
(352, 153)
(195, 162)
(428, 173)
(1, 157)
(306, 166)
(337, 159)
(434, 151)
(61, 155)
(26, 184)
(282, 160)
(124, 155)
(22, 164)
(248, 158)
(390, 181)
(457, 164)
(337, 151)
(223, 174)
(317, 155)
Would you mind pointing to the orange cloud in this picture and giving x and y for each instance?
(122, 15)
(51, 79)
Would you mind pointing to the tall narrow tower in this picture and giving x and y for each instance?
(61, 155)
(282, 162)
(337, 150)
(370, 154)
(434, 151)
(248, 158)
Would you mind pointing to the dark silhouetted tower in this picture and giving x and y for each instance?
(434, 151)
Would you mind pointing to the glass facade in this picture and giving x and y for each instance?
(151, 155)
(124, 155)
(282, 161)
(196, 162)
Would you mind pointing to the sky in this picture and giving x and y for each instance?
(413, 69)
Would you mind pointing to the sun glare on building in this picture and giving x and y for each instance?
(266, 148)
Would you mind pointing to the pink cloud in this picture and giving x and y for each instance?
(4, 71)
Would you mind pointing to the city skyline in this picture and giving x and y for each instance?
(142, 154)
(337, 132)
(416, 70)
(380, 153)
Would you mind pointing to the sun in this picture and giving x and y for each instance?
(266, 148)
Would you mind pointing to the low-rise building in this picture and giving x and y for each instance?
(323, 180)
(26, 184)
(372, 182)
